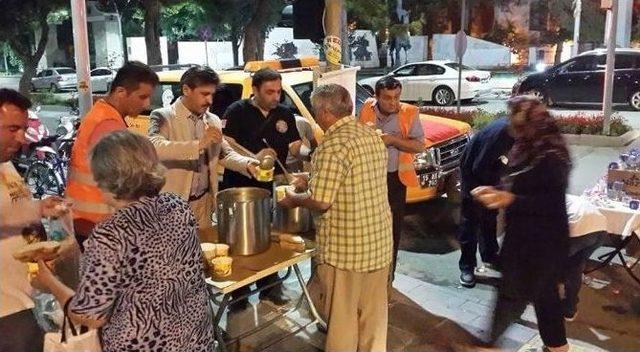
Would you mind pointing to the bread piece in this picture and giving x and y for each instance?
(291, 239)
(47, 250)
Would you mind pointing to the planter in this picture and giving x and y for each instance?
(602, 141)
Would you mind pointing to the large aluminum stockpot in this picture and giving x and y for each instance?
(244, 219)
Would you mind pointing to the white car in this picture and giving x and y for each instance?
(101, 79)
(436, 81)
(55, 79)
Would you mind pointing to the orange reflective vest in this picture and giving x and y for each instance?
(81, 188)
(406, 170)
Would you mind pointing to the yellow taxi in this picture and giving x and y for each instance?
(437, 166)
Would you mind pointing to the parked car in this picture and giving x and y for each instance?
(55, 79)
(580, 80)
(436, 81)
(101, 79)
(437, 165)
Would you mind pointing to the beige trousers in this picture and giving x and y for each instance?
(203, 208)
(354, 305)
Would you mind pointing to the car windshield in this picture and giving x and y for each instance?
(304, 92)
(455, 66)
(64, 71)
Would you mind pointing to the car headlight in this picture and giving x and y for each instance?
(425, 160)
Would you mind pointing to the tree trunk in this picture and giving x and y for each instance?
(30, 61)
(250, 47)
(235, 44)
(152, 31)
(254, 33)
(235, 48)
(558, 57)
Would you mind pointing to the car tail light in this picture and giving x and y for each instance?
(473, 78)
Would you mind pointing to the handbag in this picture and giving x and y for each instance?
(71, 339)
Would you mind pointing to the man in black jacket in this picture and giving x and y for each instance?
(483, 163)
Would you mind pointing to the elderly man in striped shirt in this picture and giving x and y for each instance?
(348, 187)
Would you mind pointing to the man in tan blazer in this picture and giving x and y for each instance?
(189, 142)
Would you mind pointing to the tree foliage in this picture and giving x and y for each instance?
(246, 21)
(21, 19)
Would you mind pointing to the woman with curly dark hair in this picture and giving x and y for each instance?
(535, 246)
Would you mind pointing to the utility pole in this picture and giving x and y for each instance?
(461, 47)
(81, 48)
(612, 15)
(333, 29)
(577, 15)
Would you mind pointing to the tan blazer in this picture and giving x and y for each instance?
(171, 132)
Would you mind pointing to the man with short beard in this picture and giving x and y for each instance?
(401, 131)
(189, 142)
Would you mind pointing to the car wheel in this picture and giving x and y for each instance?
(54, 88)
(443, 96)
(634, 100)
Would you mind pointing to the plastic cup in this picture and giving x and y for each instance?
(281, 192)
(209, 250)
(222, 266)
(222, 250)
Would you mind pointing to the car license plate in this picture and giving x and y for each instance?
(428, 180)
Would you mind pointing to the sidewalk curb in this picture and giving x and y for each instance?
(602, 141)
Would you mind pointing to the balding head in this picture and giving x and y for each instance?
(330, 103)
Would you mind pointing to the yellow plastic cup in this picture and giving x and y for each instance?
(222, 266)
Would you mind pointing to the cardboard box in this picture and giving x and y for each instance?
(630, 178)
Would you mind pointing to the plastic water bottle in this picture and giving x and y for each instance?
(57, 231)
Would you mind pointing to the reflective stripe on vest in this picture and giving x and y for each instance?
(406, 169)
(82, 190)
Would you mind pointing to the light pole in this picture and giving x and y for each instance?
(612, 15)
(577, 14)
(81, 49)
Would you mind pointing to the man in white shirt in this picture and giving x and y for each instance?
(19, 330)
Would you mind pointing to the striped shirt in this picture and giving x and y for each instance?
(350, 172)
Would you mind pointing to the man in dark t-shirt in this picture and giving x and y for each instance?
(248, 122)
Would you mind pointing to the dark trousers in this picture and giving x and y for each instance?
(580, 249)
(477, 229)
(397, 193)
(548, 307)
(19, 332)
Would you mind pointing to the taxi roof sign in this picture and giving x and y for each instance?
(303, 62)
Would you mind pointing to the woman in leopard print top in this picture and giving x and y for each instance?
(142, 279)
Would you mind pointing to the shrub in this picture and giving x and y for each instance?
(580, 123)
(591, 124)
(48, 98)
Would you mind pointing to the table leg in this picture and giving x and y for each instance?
(609, 256)
(222, 346)
(312, 307)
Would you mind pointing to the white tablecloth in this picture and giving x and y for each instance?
(621, 220)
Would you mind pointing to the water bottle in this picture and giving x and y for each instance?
(57, 230)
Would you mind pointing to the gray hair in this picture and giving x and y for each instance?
(127, 165)
(334, 98)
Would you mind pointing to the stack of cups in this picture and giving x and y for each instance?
(217, 259)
